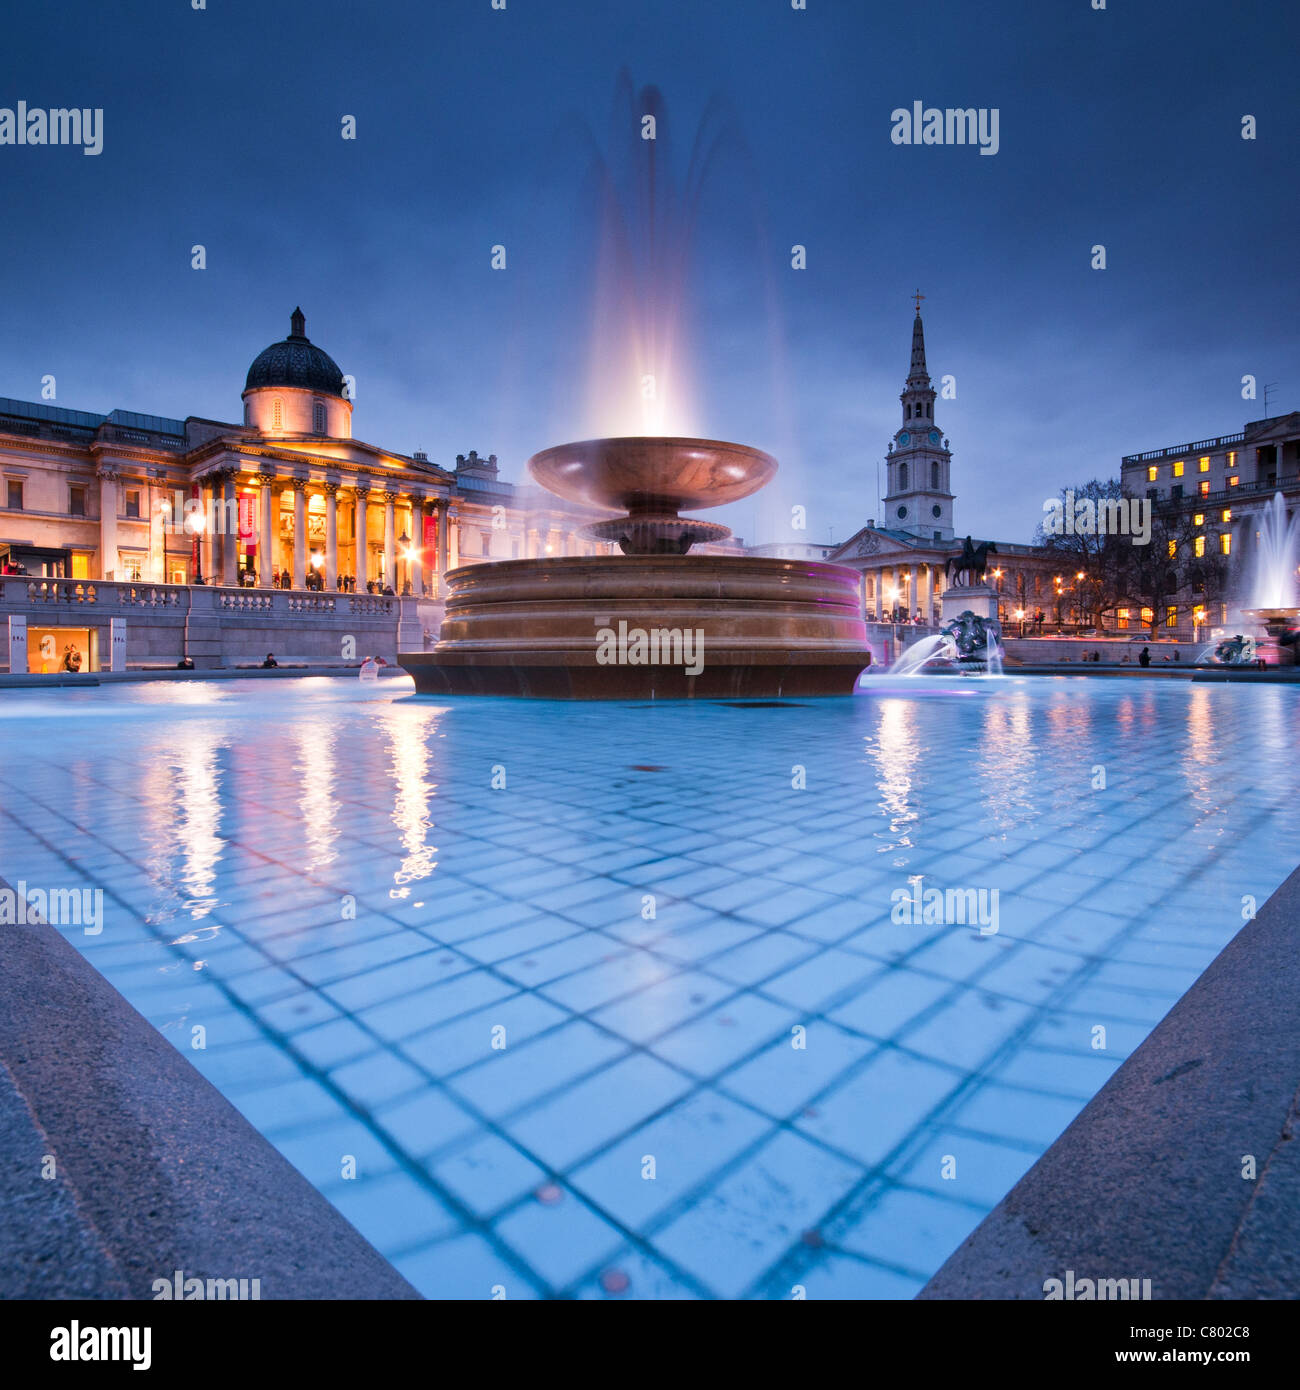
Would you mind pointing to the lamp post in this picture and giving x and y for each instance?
(195, 525)
(404, 553)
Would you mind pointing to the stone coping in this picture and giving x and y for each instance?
(64, 679)
(1147, 1182)
(155, 1170)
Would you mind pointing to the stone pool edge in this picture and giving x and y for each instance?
(1146, 1183)
(156, 1172)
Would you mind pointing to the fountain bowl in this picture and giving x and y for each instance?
(651, 474)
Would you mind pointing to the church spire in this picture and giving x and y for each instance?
(919, 373)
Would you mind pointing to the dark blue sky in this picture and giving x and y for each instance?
(474, 128)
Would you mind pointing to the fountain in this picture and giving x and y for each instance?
(1274, 591)
(654, 622)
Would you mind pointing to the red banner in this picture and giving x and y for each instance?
(247, 516)
(430, 555)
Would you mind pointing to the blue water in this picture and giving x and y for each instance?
(611, 1000)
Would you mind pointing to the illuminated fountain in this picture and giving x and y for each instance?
(653, 622)
(1275, 594)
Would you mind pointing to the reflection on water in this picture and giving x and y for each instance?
(407, 733)
(1007, 763)
(896, 753)
(315, 742)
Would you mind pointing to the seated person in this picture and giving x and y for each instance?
(269, 662)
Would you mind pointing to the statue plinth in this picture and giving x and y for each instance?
(653, 622)
(957, 599)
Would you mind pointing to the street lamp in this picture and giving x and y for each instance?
(195, 525)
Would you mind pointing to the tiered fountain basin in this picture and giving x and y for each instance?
(653, 622)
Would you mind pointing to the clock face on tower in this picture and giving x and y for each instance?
(904, 438)
(934, 436)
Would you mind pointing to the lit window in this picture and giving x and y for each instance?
(1232, 459)
(1171, 616)
(1199, 519)
(1173, 550)
(1205, 488)
(1232, 482)
(1205, 465)
(1200, 546)
(1225, 543)
(1147, 616)
(1227, 513)
(1122, 618)
(1152, 473)
(1178, 470)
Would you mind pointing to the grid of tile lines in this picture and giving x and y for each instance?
(772, 910)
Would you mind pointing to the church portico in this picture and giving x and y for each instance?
(904, 560)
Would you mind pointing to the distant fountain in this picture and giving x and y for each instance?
(939, 648)
(978, 642)
(1274, 591)
(1229, 651)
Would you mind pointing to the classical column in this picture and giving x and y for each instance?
(913, 590)
(229, 515)
(925, 596)
(331, 536)
(206, 546)
(266, 537)
(108, 479)
(417, 546)
(453, 539)
(299, 486)
(440, 508)
(390, 542)
(362, 495)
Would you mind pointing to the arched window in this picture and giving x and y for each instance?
(902, 477)
(907, 411)
(318, 417)
(277, 414)
(929, 410)
(934, 476)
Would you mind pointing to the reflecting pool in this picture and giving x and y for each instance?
(657, 1001)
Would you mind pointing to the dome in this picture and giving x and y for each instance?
(296, 362)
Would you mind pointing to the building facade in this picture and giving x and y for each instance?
(1222, 486)
(286, 498)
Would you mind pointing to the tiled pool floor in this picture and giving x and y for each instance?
(607, 1000)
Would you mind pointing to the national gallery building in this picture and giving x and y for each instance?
(287, 498)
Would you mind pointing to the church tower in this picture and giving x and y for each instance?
(918, 492)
